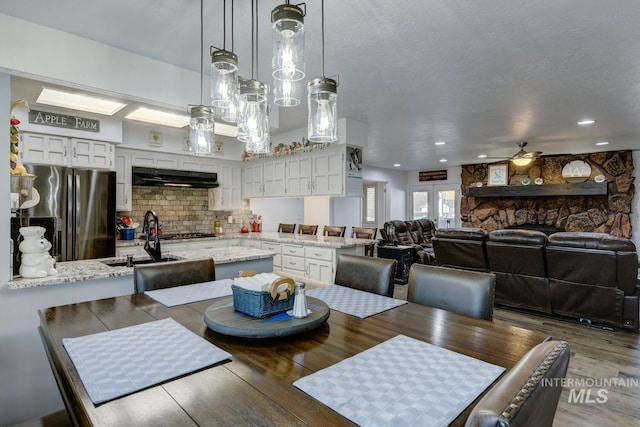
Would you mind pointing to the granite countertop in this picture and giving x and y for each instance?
(76, 271)
(299, 239)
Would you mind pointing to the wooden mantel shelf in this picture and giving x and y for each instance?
(551, 190)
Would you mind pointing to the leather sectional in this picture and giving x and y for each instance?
(587, 276)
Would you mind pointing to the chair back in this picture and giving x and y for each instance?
(427, 229)
(308, 229)
(364, 232)
(286, 228)
(333, 230)
(160, 275)
(528, 394)
(368, 274)
(469, 293)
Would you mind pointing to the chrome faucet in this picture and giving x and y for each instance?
(152, 250)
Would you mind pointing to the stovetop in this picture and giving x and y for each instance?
(179, 236)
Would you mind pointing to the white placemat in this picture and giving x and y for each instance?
(401, 382)
(186, 294)
(115, 363)
(354, 301)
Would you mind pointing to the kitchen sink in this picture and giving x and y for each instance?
(141, 261)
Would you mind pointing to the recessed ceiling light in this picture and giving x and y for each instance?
(482, 156)
(440, 143)
(443, 160)
(77, 101)
(586, 122)
(396, 165)
(602, 143)
(148, 115)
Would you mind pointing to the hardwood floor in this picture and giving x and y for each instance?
(596, 354)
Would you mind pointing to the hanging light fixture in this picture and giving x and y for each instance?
(287, 59)
(322, 102)
(224, 71)
(201, 125)
(253, 108)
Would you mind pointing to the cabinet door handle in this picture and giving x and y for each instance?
(317, 254)
(65, 151)
(74, 152)
(293, 263)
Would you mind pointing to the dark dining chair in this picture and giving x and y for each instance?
(308, 229)
(368, 274)
(286, 228)
(160, 275)
(528, 394)
(365, 233)
(469, 293)
(333, 230)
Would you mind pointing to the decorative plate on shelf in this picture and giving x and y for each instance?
(598, 178)
(526, 180)
(538, 181)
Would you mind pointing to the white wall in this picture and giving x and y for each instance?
(5, 213)
(276, 211)
(317, 211)
(346, 211)
(396, 188)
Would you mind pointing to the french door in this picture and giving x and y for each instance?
(439, 202)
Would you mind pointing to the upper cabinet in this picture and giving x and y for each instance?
(123, 180)
(265, 178)
(53, 150)
(229, 195)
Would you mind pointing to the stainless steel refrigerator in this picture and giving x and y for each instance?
(83, 201)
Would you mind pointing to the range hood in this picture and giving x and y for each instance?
(152, 177)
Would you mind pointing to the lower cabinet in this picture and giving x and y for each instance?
(320, 263)
(293, 259)
(249, 243)
(277, 248)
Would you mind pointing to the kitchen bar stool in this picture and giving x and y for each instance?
(286, 228)
(365, 233)
(307, 229)
(332, 230)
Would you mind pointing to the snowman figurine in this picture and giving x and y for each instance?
(35, 261)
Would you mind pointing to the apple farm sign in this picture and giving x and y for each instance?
(63, 121)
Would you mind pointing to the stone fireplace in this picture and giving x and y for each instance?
(562, 208)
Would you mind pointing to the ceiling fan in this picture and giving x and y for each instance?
(522, 157)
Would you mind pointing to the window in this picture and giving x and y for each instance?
(369, 205)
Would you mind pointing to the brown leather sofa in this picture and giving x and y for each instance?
(403, 237)
(586, 276)
(594, 276)
(461, 248)
(518, 259)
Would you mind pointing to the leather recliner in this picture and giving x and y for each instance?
(461, 248)
(368, 274)
(593, 276)
(518, 259)
(528, 394)
(403, 237)
(427, 230)
(147, 277)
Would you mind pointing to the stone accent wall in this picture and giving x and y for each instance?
(602, 214)
(183, 210)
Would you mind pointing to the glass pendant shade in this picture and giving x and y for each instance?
(286, 93)
(230, 114)
(287, 41)
(253, 116)
(322, 103)
(224, 78)
(201, 131)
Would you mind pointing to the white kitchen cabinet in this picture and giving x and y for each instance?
(319, 263)
(92, 154)
(274, 178)
(229, 195)
(250, 243)
(43, 149)
(328, 173)
(277, 248)
(53, 150)
(123, 180)
(253, 186)
(208, 244)
(298, 175)
(152, 159)
(198, 164)
(293, 259)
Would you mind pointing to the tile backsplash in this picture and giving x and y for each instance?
(183, 210)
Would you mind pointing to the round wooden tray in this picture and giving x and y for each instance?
(222, 318)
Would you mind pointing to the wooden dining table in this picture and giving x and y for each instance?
(255, 386)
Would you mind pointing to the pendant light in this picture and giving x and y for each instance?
(201, 124)
(322, 103)
(224, 70)
(287, 60)
(253, 108)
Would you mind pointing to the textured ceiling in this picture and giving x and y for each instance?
(479, 75)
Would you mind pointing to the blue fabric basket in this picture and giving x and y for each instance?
(262, 304)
